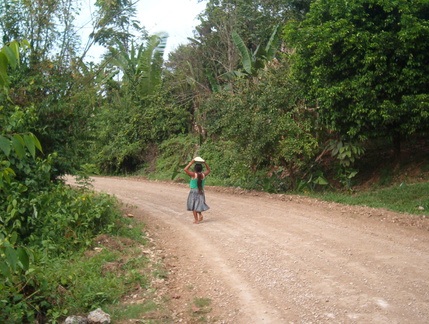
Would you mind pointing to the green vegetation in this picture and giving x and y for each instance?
(301, 96)
(362, 61)
(46, 226)
(199, 308)
(136, 311)
(403, 198)
(103, 276)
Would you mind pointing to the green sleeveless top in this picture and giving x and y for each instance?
(194, 183)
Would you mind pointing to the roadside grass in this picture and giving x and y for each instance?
(412, 198)
(148, 310)
(200, 308)
(132, 311)
(114, 275)
(403, 198)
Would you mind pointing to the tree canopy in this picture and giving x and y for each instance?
(366, 65)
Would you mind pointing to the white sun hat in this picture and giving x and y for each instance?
(198, 159)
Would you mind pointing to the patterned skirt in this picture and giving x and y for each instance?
(197, 201)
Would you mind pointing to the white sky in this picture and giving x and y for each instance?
(176, 17)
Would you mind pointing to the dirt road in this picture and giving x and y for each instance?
(282, 259)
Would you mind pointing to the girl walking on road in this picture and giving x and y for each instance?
(196, 198)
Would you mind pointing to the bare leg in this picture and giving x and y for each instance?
(195, 216)
(200, 218)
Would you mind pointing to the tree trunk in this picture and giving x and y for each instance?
(396, 141)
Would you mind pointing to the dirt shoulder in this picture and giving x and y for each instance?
(261, 258)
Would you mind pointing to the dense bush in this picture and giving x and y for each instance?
(126, 130)
(42, 220)
(53, 224)
(266, 128)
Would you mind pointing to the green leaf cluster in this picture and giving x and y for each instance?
(365, 63)
(19, 143)
(346, 152)
(9, 56)
(253, 62)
